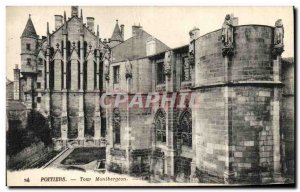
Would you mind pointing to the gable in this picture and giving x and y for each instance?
(57, 55)
(135, 47)
(74, 55)
(41, 54)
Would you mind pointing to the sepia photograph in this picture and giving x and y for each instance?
(148, 96)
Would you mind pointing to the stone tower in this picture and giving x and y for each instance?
(29, 42)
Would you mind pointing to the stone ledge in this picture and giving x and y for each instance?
(239, 83)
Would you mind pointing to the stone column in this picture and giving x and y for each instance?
(81, 96)
(276, 123)
(228, 174)
(97, 117)
(46, 97)
(193, 178)
(97, 120)
(277, 51)
(169, 158)
(170, 143)
(64, 114)
(128, 128)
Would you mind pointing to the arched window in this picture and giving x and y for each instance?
(184, 134)
(160, 126)
(116, 123)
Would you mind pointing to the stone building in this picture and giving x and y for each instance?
(241, 131)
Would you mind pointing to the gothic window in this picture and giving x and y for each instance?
(186, 69)
(184, 135)
(160, 73)
(160, 126)
(28, 48)
(116, 74)
(39, 99)
(116, 126)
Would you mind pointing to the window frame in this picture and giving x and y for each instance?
(40, 73)
(184, 69)
(116, 125)
(38, 85)
(160, 126)
(185, 136)
(160, 73)
(28, 61)
(28, 46)
(116, 74)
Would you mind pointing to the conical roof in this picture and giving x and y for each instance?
(29, 30)
(117, 34)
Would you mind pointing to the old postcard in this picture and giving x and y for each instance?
(150, 96)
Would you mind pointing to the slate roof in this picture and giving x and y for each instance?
(117, 34)
(29, 30)
(15, 106)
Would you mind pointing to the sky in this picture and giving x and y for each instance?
(168, 24)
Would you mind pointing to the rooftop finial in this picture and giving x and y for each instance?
(117, 21)
(47, 27)
(97, 30)
(29, 15)
(81, 15)
(65, 17)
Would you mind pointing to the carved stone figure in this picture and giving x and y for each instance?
(192, 47)
(278, 38)
(278, 33)
(227, 32)
(128, 67)
(167, 63)
(106, 63)
(227, 36)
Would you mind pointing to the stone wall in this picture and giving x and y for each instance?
(288, 114)
(210, 126)
(139, 83)
(252, 60)
(251, 134)
(237, 122)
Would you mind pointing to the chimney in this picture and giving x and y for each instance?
(90, 23)
(194, 33)
(234, 20)
(16, 83)
(74, 11)
(136, 29)
(122, 32)
(150, 46)
(58, 21)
